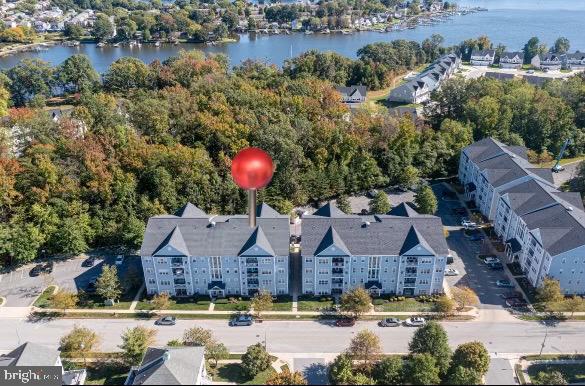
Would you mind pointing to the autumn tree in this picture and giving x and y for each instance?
(262, 301)
(216, 352)
(64, 299)
(471, 355)
(549, 294)
(574, 304)
(464, 296)
(135, 342)
(365, 346)
(161, 301)
(287, 377)
(79, 342)
(356, 302)
(445, 305)
(197, 336)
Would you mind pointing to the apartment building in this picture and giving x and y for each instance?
(401, 252)
(488, 167)
(194, 253)
(542, 228)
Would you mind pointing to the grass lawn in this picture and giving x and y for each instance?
(232, 304)
(44, 301)
(407, 305)
(564, 161)
(572, 372)
(232, 372)
(282, 303)
(184, 304)
(108, 373)
(310, 303)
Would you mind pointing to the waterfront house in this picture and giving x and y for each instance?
(170, 366)
(195, 253)
(574, 61)
(547, 62)
(543, 229)
(352, 94)
(401, 252)
(512, 59)
(482, 57)
(33, 354)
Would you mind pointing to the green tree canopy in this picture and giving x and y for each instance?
(255, 360)
(425, 200)
(432, 339)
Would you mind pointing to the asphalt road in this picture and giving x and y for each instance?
(308, 336)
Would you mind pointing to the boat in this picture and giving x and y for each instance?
(157, 44)
(308, 32)
(101, 44)
(287, 32)
(116, 44)
(326, 31)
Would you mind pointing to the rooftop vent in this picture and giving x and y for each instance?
(570, 208)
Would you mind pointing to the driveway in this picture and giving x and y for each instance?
(473, 272)
(20, 289)
(500, 372)
(313, 369)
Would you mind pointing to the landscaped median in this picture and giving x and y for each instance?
(551, 369)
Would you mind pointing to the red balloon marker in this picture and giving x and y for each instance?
(252, 169)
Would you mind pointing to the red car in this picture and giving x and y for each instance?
(345, 322)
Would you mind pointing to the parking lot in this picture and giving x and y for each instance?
(473, 272)
(20, 289)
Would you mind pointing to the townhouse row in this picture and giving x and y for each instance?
(193, 253)
(549, 61)
(543, 229)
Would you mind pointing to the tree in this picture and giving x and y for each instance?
(216, 352)
(262, 301)
(79, 342)
(343, 204)
(445, 305)
(389, 371)
(365, 346)
(30, 77)
(549, 378)
(421, 369)
(356, 301)
(161, 301)
(102, 28)
(425, 200)
(73, 31)
(287, 378)
(549, 293)
(409, 177)
(135, 341)
(255, 360)
(574, 304)
(64, 299)
(380, 203)
(432, 339)
(360, 379)
(533, 48)
(341, 370)
(125, 74)
(562, 46)
(197, 336)
(108, 284)
(464, 296)
(460, 375)
(76, 73)
(471, 355)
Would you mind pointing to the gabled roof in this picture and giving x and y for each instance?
(257, 245)
(168, 366)
(483, 53)
(415, 241)
(30, 354)
(351, 90)
(265, 210)
(403, 210)
(332, 242)
(329, 210)
(511, 55)
(172, 245)
(190, 211)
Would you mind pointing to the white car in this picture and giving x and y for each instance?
(415, 322)
(119, 259)
(491, 260)
(451, 272)
(468, 224)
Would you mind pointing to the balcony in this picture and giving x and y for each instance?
(252, 282)
(338, 260)
(178, 272)
(338, 265)
(337, 271)
(252, 260)
(337, 281)
(252, 275)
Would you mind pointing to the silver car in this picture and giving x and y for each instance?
(390, 322)
(415, 322)
(242, 320)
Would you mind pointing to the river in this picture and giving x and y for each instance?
(510, 22)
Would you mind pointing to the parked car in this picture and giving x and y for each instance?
(345, 322)
(415, 322)
(390, 322)
(242, 320)
(468, 224)
(530, 72)
(89, 262)
(505, 284)
(119, 259)
(491, 260)
(496, 266)
(37, 270)
(451, 272)
(371, 193)
(166, 321)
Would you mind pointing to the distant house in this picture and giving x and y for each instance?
(483, 57)
(32, 354)
(512, 59)
(352, 94)
(574, 61)
(170, 366)
(547, 62)
(499, 75)
(418, 90)
(535, 80)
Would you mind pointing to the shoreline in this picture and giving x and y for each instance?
(25, 47)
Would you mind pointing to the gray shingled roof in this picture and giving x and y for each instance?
(483, 52)
(257, 245)
(403, 210)
(190, 211)
(173, 243)
(168, 366)
(265, 210)
(329, 210)
(216, 236)
(30, 354)
(332, 239)
(512, 55)
(373, 235)
(415, 240)
(349, 91)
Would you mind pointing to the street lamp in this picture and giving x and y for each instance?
(544, 340)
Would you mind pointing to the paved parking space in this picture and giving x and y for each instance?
(20, 289)
(313, 369)
(500, 372)
(472, 271)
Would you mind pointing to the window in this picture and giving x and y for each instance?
(266, 272)
(374, 268)
(151, 281)
(323, 272)
(323, 261)
(281, 271)
(323, 282)
(280, 260)
(308, 270)
(267, 261)
(215, 266)
(308, 280)
(165, 282)
(309, 260)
